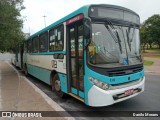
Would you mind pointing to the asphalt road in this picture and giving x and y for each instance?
(149, 100)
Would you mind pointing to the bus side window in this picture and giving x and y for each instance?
(59, 35)
(35, 44)
(29, 46)
(80, 40)
(56, 38)
(43, 42)
(51, 40)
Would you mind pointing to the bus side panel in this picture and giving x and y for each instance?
(40, 73)
(47, 61)
(87, 84)
(62, 69)
(41, 65)
(63, 81)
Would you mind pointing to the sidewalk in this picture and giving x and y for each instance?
(155, 68)
(17, 94)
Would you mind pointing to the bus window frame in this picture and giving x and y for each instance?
(29, 48)
(46, 42)
(54, 28)
(36, 39)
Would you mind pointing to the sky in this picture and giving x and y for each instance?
(57, 9)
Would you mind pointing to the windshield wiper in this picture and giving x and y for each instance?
(119, 41)
(129, 40)
(117, 38)
(111, 33)
(133, 33)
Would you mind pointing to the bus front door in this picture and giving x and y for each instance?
(75, 60)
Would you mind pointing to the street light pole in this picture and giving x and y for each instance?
(44, 20)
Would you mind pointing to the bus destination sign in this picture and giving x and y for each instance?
(74, 19)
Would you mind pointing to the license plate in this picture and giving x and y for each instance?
(129, 92)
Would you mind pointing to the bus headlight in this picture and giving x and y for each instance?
(98, 83)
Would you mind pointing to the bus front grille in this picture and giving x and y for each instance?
(130, 70)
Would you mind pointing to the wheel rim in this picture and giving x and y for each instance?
(57, 85)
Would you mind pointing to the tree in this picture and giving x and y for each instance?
(143, 35)
(10, 24)
(151, 30)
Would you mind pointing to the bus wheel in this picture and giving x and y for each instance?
(57, 86)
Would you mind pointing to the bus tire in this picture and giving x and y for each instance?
(57, 86)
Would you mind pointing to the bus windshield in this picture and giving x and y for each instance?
(114, 46)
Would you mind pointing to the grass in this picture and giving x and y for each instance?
(154, 53)
(153, 56)
(154, 49)
(148, 63)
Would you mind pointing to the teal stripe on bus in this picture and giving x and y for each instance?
(49, 53)
(63, 81)
(81, 94)
(74, 91)
(40, 73)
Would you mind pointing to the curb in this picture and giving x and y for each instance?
(51, 102)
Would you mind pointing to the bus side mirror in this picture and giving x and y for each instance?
(87, 27)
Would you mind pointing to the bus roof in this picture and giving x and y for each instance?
(83, 10)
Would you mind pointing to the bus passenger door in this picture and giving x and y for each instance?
(75, 60)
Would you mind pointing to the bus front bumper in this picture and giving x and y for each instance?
(99, 97)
